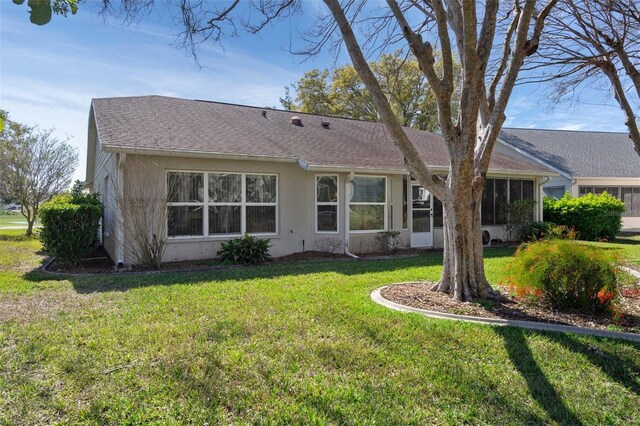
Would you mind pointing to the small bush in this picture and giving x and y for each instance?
(247, 250)
(594, 217)
(537, 231)
(70, 225)
(566, 274)
(388, 241)
(519, 216)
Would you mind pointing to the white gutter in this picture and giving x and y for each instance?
(541, 197)
(198, 154)
(347, 183)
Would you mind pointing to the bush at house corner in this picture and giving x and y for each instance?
(70, 224)
(594, 217)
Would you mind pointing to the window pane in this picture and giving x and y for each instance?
(527, 190)
(627, 192)
(366, 218)
(185, 187)
(368, 190)
(420, 197)
(261, 219)
(225, 188)
(584, 190)
(327, 189)
(421, 220)
(328, 218)
(487, 203)
(261, 189)
(184, 220)
(613, 190)
(556, 192)
(599, 190)
(501, 201)
(635, 210)
(437, 213)
(515, 190)
(405, 204)
(224, 219)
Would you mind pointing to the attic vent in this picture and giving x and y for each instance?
(325, 124)
(264, 113)
(296, 121)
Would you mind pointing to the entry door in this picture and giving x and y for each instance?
(421, 217)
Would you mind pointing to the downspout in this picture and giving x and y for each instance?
(541, 197)
(347, 196)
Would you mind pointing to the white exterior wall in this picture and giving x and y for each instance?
(296, 211)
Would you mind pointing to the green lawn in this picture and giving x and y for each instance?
(298, 343)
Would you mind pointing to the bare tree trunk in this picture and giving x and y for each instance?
(30, 227)
(463, 268)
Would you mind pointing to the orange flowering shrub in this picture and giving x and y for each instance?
(565, 274)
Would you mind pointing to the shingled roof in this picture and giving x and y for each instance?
(578, 153)
(172, 125)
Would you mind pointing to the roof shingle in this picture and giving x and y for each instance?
(578, 153)
(172, 124)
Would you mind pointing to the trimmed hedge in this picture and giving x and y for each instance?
(593, 216)
(70, 225)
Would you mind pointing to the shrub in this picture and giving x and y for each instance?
(566, 274)
(388, 241)
(70, 225)
(246, 250)
(537, 231)
(593, 216)
(519, 216)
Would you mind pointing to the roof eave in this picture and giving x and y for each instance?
(199, 154)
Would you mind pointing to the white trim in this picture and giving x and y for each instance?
(336, 203)
(534, 158)
(198, 154)
(243, 204)
(349, 203)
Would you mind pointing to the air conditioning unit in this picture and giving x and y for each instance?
(486, 238)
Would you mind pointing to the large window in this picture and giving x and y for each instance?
(629, 195)
(367, 206)
(235, 203)
(498, 193)
(327, 203)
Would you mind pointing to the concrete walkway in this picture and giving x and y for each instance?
(376, 296)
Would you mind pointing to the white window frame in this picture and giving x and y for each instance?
(323, 203)
(384, 203)
(205, 204)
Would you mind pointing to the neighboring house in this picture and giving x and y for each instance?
(586, 162)
(305, 181)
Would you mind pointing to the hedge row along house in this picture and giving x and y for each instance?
(196, 173)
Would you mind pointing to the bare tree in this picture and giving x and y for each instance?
(591, 42)
(34, 166)
(141, 196)
(491, 43)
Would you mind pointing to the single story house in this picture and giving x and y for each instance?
(585, 162)
(307, 182)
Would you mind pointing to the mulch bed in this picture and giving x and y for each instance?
(97, 261)
(420, 295)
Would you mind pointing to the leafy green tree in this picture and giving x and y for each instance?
(34, 166)
(341, 92)
(41, 11)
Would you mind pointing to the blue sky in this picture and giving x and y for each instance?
(49, 74)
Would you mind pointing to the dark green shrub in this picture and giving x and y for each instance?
(594, 217)
(388, 241)
(70, 225)
(246, 250)
(519, 216)
(565, 274)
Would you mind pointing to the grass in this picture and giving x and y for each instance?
(15, 219)
(297, 343)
